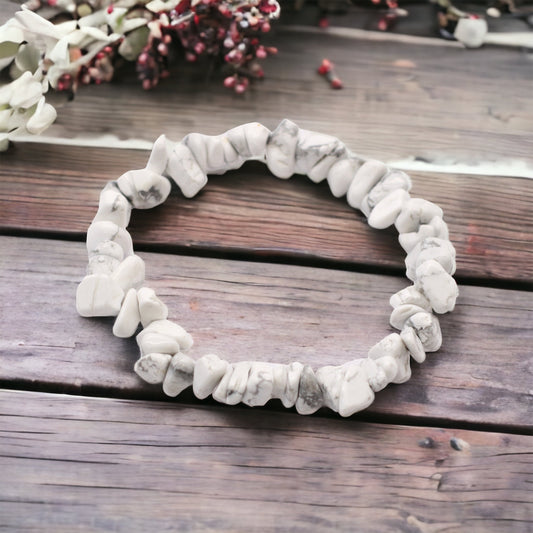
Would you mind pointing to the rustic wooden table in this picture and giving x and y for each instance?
(260, 268)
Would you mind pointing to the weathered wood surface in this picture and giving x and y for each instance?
(399, 100)
(55, 189)
(91, 464)
(269, 312)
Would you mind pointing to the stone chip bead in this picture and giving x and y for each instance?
(232, 386)
(281, 149)
(151, 308)
(249, 140)
(316, 153)
(98, 295)
(164, 336)
(310, 397)
(144, 188)
(179, 374)
(391, 181)
(387, 209)
(402, 313)
(433, 248)
(153, 367)
(342, 173)
(436, 227)
(410, 295)
(104, 231)
(214, 153)
(413, 344)
(208, 373)
(183, 168)
(437, 285)
(365, 178)
(113, 206)
(159, 155)
(415, 212)
(392, 345)
(128, 318)
(129, 273)
(259, 385)
(427, 328)
(286, 382)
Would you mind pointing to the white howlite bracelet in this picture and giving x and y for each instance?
(115, 275)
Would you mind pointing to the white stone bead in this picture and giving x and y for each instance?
(365, 178)
(128, 318)
(386, 210)
(179, 374)
(413, 344)
(409, 240)
(129, 273)
(159, 155)
(183, 168)
(402, 313)
(427, 329)
(286, 381)
(100, 232)
(410, 295)
(393, 345)
(316, 153)
(430, 248)
(415, 212)
(152, 367)
(385, 372)
(232, 386)
(310, 396)
(356, 393)
(341, 174)
(208, 372)
(102, 264)
(249, 140)
(151, 341)
(221, 156)
(144, 188)
(438, 286)
(331, 379)
(281, 149)
(165, 331)
(109, 248)
(98, 295)
(113, 206)
(259, 386)
(150, 306)
(391, 181)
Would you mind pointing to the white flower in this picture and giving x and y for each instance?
(10, 38)
(44, 116)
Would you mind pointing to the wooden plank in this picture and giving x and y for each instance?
(52, 188)
(270, 312)
(399, 100)
(93, 464)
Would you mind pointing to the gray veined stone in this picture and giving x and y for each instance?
(281, 149)
(438, 286)
(159, 155)
(310, 397)
(433, 248)
(153, 367)
(232, 386)
(427, 328)
(402, 313)
(100, 232)
(410, 295)
(179, 374)
(208, 373)
(167, 333)
(144, 188)
(413, 344)
(391, 181)
(416, 212)
(342, 173)
(392, 345)
(113, 206)
(259, 385)
(365, 178)
(183, 168)
(249, 140)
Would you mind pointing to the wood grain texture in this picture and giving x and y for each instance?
(86, 464)
(54, 189)
(450, 104)
(269, 312)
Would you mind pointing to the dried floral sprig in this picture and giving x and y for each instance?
(84, 39)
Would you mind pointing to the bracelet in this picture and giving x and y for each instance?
(115, 276)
